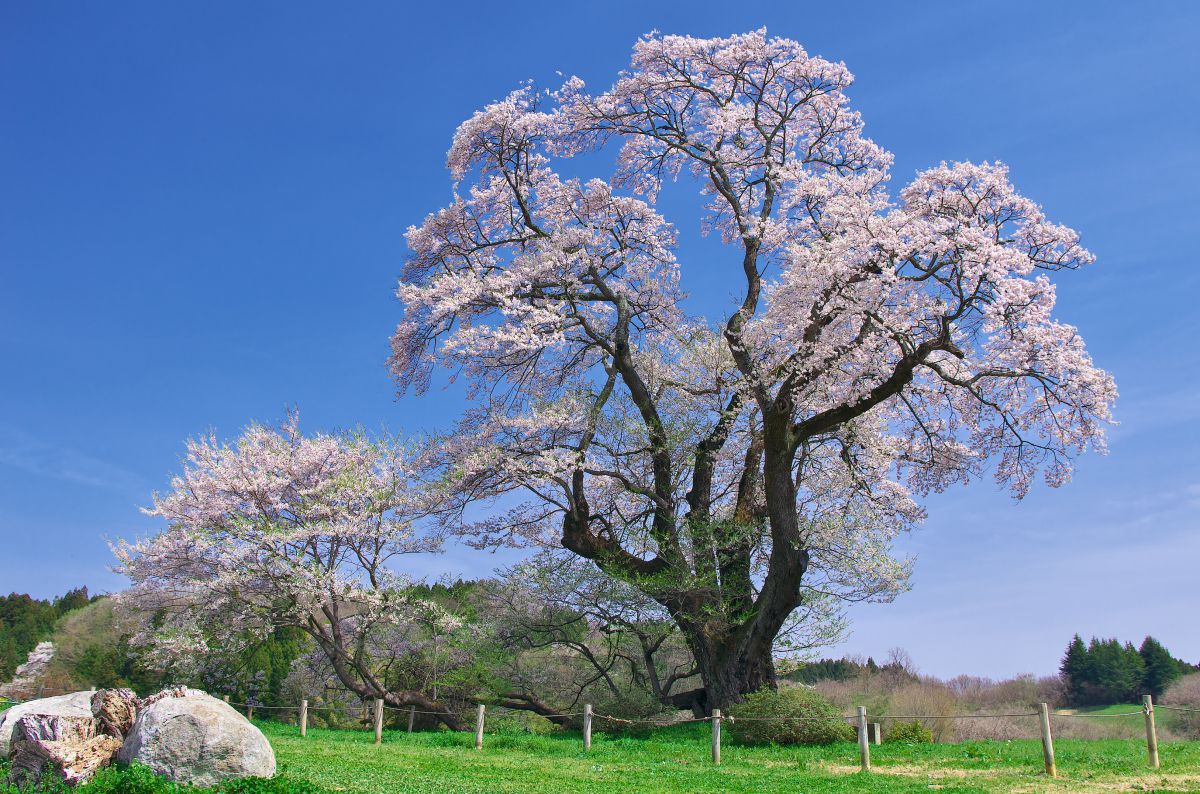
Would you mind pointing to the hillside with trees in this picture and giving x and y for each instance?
(25, 621)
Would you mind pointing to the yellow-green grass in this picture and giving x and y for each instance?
(673, 760)
(677, 760)
(1128, 714)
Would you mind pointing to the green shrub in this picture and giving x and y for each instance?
(520, 722)
(910, 733)
(795, 715)
(644, 712)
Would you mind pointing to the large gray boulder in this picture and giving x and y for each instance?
(192, 737)
(77, 704)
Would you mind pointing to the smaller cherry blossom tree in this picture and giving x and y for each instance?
(280, 529)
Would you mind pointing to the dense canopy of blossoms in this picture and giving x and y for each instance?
(884, 344)
(282, 529)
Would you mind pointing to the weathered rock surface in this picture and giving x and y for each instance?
(25, 677)
(66, 746)
(54, 728)
(195, 738)
(77, 704)
(115, 710)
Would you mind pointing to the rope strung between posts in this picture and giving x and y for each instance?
(659, 723)
(357, 712)
(408, 710)
(944, 716)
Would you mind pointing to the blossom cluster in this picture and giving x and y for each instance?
(882, 343)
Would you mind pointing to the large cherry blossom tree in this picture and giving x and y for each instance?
(282, 529)
(882, 344)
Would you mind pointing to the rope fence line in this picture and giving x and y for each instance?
(658, 723)
(944, 716)
(864, 729)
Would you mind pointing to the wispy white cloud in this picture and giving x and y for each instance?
(20, 450)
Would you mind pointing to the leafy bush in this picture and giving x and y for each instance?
(637, 705)
(521, 722)
(795, 715)
(909, 733)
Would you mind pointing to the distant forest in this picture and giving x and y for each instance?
(94, 652)
(1109, 671)
(1098, 672)
(26, 621)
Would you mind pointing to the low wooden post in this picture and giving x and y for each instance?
(864, 745)
(412, 715)
(877, 733)
(249, 712)
(716, 736)
(1047, 740)
(1151, 733)
(378, 720)
(479, 728)
(304, 718)
(587, 727)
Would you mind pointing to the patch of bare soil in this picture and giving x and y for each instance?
(988, 779)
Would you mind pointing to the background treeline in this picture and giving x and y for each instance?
(92, 649)
(559, 654)
(1109, 671)
(26, 621)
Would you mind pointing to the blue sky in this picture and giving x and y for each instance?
(202, 209)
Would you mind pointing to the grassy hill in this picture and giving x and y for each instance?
(90, 652)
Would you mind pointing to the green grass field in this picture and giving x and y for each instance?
(677, 760)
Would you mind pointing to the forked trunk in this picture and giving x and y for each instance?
(728, 673)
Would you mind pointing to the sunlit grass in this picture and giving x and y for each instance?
(676, 760)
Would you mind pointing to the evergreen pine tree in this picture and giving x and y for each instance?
(1115, 672)
(1074, 670)
(1160, 668)
(1135, 674)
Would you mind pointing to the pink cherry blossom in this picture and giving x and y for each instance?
(882, 344)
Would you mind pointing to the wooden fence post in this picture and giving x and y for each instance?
(716, 736)
(226, 698)
(378, 720)
(1151, 733)
(864, 745)
(304, 718)
(878, 733)
(587, 727)
(479, 728)
(412, 714)
(1047, 740)
(249, 712)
